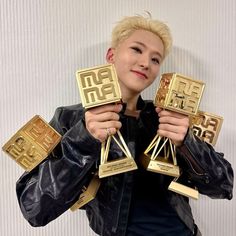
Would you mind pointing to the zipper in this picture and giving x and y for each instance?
(197, 169)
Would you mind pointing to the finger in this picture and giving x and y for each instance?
(108, 116)
(184, 121)
(111, 131)
(171, 113)
(106, 108)
(173, 129)
(158, 109)
(102, 117)
(96, 126)
(103, 133)
(176, 139)
(111, 124)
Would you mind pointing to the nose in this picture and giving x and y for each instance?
(144, 61)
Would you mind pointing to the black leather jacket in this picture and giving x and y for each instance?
(52, 187)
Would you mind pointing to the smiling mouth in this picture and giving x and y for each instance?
(140, 74)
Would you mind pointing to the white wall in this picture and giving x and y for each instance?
(43, 43)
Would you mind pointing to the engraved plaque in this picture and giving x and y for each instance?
(98, 85)
(161, 166)
(207, 126)
(163, 163)
(179, 93)
(117, 167)
(32, 143)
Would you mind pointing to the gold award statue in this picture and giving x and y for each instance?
(99, 86)
(180, 94)
(88, 193)
(207, 126)
(32, 143)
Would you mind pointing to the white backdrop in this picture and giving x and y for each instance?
(43, 43)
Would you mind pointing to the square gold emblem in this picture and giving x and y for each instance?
(32, 143)
(98, 86)
(207, 126)
(179, 93)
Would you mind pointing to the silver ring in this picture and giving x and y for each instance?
(108, 131)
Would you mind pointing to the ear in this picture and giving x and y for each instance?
(110, 55)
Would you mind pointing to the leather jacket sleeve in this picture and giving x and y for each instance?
(205, 168)
(52, 187)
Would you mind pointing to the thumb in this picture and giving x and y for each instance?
(158, 109)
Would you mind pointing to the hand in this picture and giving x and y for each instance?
(103, 121)
(172, 125)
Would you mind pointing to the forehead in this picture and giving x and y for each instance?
(146, 38)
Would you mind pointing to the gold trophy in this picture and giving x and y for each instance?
(32, 143)
(99, 86)
(207, 126)
(180, 94)
(88, 193)
(176, 93)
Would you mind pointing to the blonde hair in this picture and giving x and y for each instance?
(129, 24)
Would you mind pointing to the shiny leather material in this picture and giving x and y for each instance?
(53, 187)
(207, 169)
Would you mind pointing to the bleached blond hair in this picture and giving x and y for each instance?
(129, 24)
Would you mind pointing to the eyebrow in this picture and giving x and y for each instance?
(144, 45)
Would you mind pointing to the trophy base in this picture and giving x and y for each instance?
(116, 167)
(183, 190)
(88, 195)
(161, 166)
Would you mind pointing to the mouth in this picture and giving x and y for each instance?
(140, 74)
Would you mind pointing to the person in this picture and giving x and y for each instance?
(136, 202)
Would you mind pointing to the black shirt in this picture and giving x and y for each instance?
(150, 213)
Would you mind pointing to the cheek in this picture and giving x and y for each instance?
(124, 57)
(155, 72)
(121, 63)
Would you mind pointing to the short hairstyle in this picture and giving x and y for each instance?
(129, 24)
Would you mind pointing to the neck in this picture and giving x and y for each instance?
(129, 97)
(131, 102)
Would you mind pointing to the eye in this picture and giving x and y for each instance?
(156, 61)
(137, 49)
